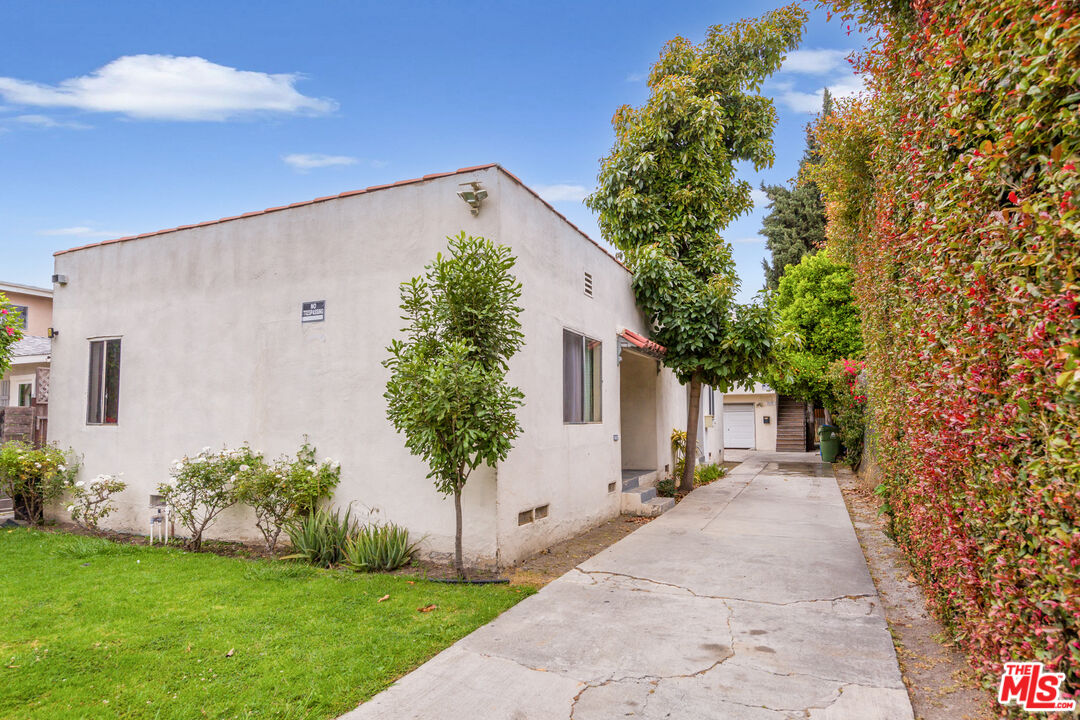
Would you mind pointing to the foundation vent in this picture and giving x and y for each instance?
(537, 513)
(588, 284)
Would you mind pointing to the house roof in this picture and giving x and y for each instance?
(31, 345)
(642, 342)
(373, 188)
(10, 287)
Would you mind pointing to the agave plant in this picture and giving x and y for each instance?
(379, 547)
(321, 536)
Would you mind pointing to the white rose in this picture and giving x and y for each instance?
(243, 468)
(62, 468)
(80, 483)
(205, 450)
(70, 508)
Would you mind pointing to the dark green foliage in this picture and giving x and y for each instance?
(795, 225)
(666, 487)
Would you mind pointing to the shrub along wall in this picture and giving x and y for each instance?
(951, 190)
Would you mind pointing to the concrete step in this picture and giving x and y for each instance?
(644, 502)
(637, 478)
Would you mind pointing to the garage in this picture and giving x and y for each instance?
(739, 426)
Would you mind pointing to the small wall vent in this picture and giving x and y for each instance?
(588, 284)
(537, 513)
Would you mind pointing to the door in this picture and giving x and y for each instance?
(739, 426)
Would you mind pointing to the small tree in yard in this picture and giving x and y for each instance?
(447, 390)
(669, 187)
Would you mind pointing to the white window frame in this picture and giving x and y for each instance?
(102, 398)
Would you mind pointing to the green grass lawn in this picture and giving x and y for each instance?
(94, 629)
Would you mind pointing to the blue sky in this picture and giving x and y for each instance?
(125, 117)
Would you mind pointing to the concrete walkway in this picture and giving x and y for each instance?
(750, 601)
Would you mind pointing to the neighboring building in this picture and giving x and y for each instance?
(195, 337)
(756, 418)
(750, 418)
(19, 385)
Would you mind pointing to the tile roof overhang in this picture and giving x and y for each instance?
(643, 344)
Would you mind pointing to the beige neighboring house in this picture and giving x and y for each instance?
(272, 325)
(750, 418)
(19, 385)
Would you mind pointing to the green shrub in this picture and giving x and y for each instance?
(666, 487)
(320, 536)
(705, 474)
(379, 547)
(205, 485)
(80, 547)
(289, 488)
(34, 477)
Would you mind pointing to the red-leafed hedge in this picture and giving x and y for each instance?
(951, 188)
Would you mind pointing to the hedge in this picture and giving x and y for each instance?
(951, 190)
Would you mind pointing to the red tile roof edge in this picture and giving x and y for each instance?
(643, 342)
(350, 193)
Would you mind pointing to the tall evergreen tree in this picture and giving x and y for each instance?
(795, 225)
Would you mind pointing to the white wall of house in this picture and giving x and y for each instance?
(227, 297)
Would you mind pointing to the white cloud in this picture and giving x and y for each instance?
(81, 231)
(820, 61)
(756, 240)
(562, 192)
(165, 87)
(309, 161)
(810, 102)
(44, 121)
(759, 198)
(637, 77)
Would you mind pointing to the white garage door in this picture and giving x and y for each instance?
(738, 426)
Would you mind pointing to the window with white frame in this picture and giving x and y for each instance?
(581, 378)
(5, 392)
(103, 394)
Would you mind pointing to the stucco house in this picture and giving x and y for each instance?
(756, 417)
(269, 326)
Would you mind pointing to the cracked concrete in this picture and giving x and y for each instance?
(750, 600)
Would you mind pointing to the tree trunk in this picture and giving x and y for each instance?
(686, 484)
(459, 566)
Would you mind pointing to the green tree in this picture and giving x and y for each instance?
(447, 390)
(815, 304)
(795, 225)
(669, 187)
(11, 331)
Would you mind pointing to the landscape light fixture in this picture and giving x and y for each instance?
(472, 196)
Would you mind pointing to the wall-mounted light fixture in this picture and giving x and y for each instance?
(473, 195)
(53, 332)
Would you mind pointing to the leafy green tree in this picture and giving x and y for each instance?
(11, 331)
(669, 187)
(795, 225)
(447, 390)
(815, 303)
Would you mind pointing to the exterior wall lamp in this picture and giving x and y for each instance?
(473, 195)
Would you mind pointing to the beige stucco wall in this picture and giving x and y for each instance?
(764, 405)
(227, 297)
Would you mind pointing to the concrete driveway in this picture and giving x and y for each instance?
(750, 600)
